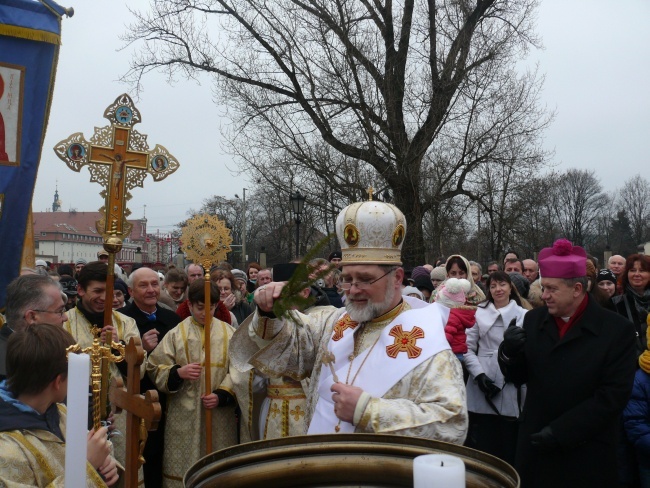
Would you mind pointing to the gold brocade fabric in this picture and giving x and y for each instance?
(37, 458)
(184, 428)
(126, 328)
(286, 413)
(429, 401)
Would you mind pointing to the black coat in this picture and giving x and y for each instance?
(165, 321)
(578, 386)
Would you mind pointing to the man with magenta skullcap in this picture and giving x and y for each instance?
(578, 362)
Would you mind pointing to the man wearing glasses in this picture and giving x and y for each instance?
(392, 370)
(31, 299)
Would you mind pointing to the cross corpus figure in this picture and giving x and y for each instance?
(142, 411)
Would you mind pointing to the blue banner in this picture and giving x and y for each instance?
(30, 35)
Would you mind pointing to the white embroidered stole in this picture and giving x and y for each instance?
(407, 341)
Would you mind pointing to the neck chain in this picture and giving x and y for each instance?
(352, 357)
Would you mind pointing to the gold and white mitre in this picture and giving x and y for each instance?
(371, 232)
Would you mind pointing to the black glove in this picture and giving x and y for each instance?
(545, 439)
(514, 340)
(487, 386)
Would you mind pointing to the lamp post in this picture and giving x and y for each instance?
(297, 203)
(243, 233)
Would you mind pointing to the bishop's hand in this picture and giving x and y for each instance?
(267, 294)
(345, 398)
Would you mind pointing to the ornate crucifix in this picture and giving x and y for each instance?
(142, 411)
(118, 158)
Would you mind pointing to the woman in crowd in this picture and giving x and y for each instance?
(458, 267)
(230, 296)
(120, 294)
(633, 304)
(635, 300)
(493, 404)
(607, 282)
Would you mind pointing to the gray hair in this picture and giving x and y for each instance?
(27, 292)
(480, 268)
(583, 280)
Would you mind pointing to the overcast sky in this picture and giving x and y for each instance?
(595, 59)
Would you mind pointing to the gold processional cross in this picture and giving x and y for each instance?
(118, 158)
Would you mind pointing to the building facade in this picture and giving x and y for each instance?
(64, 237)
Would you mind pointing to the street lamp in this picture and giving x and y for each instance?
(297, 203)
(243, 234)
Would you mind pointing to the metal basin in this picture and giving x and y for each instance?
(338, 460)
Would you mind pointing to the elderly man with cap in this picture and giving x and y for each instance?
(578, 362)
(382, 364)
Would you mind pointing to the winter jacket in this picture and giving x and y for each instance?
(459, 319)
(636, 418)
(483, 342)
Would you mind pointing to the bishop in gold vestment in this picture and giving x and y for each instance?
(185, 428)
(394, 372)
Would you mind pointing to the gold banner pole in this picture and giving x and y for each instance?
(208, 361)
(206, 240)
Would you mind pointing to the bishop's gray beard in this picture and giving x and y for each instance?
(371, 310)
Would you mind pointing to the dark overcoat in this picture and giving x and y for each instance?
(577, 385)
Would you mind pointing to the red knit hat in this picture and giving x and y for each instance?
(563, 260)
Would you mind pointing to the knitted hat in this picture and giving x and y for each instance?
(81, 261)
(239, 275)
(438, 274)
(521, 283)
(563, 260)
(41, 262)
(411, 290)
(606, 275)
(335, 254)
(371, 232)
(423, 282)
(452, 293)
(420, 271)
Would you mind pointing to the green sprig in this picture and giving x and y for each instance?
(303, 277)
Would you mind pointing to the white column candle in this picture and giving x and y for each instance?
(438, 471)
(76, 431)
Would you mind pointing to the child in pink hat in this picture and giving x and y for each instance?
(452, 294)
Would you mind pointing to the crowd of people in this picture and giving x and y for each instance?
(542, 362)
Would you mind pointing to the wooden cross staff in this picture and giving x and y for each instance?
(142, 411)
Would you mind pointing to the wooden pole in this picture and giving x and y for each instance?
(207, 361)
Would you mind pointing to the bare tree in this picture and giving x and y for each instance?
(578, 200)
(336, 83)
(634, 198)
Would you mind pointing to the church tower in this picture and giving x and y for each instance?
(56, 204)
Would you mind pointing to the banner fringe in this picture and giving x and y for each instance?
(31, 34)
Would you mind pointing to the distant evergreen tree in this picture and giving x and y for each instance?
(621, 235)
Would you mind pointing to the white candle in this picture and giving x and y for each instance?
(438, 471)
(76, 432)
